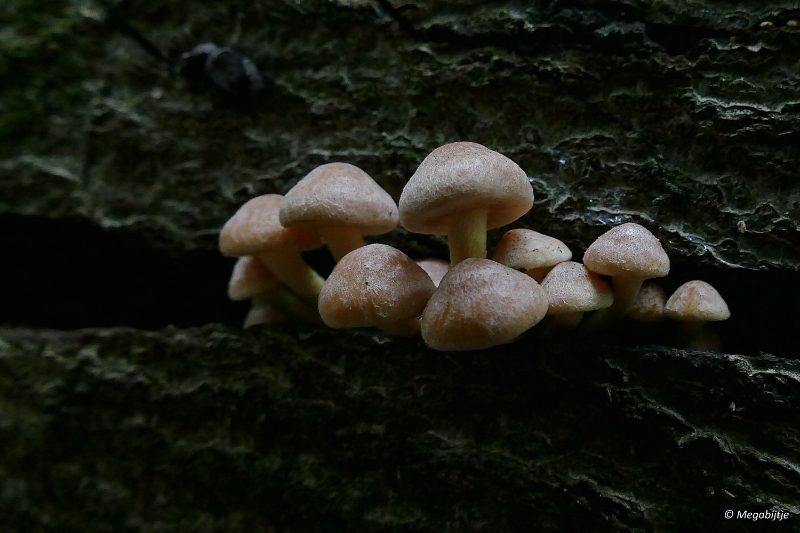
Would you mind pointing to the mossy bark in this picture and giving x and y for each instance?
(682, 116)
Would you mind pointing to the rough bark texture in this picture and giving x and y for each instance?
(310, 430)
(682, 116)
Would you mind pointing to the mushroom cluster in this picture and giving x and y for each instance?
(460, 190)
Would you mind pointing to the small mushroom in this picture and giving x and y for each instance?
(530, 250)
(571, 291)
(342, 203)
(271, 302)
(479, 304)
(696, 303)
(264, 311)
(649, 304)
(461, 190)
(434, 267)
(255, 230)
(249, 278)
(630, 254)
(377, 286)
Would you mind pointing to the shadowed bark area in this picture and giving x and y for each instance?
(309, 430)
(682, 116)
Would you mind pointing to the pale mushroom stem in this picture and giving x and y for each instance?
(286, 300)
(698, 335)
(404, 328)
(466, 236)
(293, 272)
(279, 305)
(626, 289)
(342, 241)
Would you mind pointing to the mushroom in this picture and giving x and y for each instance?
(264, 311)
(461, 190)
(479, 304)
(530, 250)
(249, 278)
(434, 267)
(571, 291)
(271, 302)
(649, 304)
(696, 303)
(630, 254)
(342, 203)
(379, 286)
(255, 230)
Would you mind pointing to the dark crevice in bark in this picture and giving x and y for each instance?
(70, 274)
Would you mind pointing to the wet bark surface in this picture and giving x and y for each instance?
(117, 171)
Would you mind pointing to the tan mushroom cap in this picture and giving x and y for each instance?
(434, 267)
(249, 278)
(460, 177)
(375, 285)
(649, 304)
(255, 228)
(571, 288)
(528, 249)
(339, 195)
(627, 250)
(697, 301)
(481, 303)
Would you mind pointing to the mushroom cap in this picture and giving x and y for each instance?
(528, 249)
(460, 177)
(339, 195)
(697, 301)
(627, 250)
(649, 304)
(434, 267)
(250, 277)
(572, 288)
(255, 228)
(481, 303)
(375, 285)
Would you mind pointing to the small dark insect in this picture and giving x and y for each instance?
(229, 71)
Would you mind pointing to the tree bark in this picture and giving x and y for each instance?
(681, 116)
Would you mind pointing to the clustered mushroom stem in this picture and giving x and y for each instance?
(626, 289)
(293, 272)
(342, 241)
(285, 299)
(466, 236)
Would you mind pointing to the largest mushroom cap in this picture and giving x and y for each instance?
(460, 177)
(339, 195)
(375, 285)
(255, 228)
(481, 303)
(627, 250)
